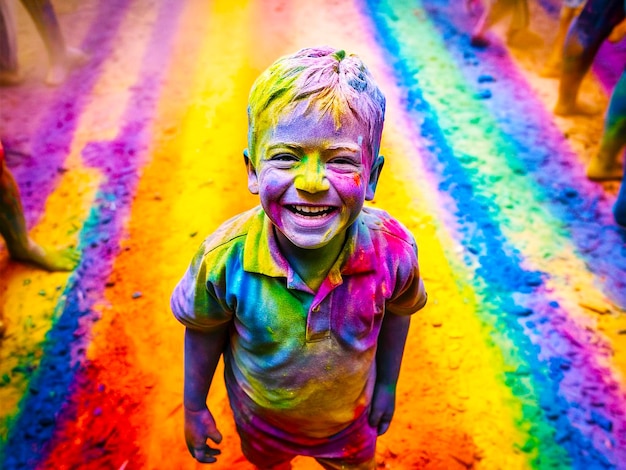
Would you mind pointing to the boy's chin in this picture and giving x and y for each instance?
(306, 241)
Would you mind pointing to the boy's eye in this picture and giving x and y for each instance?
(283, 157)
(344, 162)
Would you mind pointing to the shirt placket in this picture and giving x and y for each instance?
(318, 319)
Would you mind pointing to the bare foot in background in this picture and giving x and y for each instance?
(575, 108)
(50, 259)
(58, 73)
(599, 170)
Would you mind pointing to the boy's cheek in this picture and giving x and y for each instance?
(352, 185)
(269, 185)
(273, 175)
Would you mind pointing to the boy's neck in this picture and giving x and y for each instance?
(312, 265)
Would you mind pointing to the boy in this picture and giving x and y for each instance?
(309, 295)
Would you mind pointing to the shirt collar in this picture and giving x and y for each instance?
(262, 255)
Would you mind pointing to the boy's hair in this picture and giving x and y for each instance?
(329, 80)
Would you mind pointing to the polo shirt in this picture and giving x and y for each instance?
(303, 360)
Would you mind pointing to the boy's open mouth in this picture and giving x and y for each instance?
(311, 211)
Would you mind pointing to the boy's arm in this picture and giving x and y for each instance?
(391, 341)
(202, 354)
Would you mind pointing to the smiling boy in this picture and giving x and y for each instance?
(307, 296)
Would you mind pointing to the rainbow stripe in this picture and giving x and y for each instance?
(518, 360)
(486, 163)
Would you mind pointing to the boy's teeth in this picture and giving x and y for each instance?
(312, 210)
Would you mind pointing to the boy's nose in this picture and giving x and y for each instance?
(312, 177)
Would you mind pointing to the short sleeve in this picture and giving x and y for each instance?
(409, 295)
(198, 299)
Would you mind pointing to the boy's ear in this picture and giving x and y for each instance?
(253, 179)
(377, 167)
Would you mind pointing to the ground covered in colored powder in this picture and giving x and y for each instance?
(517, 362)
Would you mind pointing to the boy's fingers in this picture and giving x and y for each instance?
(215, 436)
(205, 454)
(380, 420)
(380, 423)
(382, 427)
(207, 450)
(374, 418)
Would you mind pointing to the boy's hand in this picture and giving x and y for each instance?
(200, 426)
(383, 406)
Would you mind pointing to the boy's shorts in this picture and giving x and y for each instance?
(266, 446)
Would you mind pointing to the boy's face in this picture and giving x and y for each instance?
(312, 178)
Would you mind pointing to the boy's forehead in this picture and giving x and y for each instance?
(304, 122)
(303, 117)
(300, 125)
